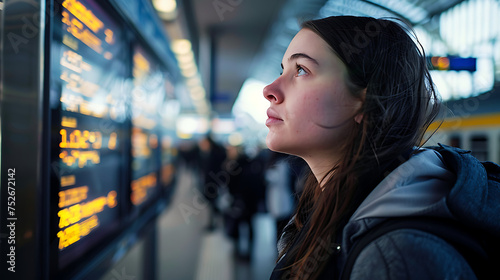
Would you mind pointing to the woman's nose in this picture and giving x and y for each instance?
(272, 92)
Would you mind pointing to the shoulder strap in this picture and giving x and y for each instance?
(461, 238)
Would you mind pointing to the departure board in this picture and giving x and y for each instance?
(148, 95)
(89, 97)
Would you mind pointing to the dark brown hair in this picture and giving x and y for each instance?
(387, 69)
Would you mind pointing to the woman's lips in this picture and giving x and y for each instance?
(273, 117)
(271, 121)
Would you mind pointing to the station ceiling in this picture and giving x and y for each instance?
(238, 39)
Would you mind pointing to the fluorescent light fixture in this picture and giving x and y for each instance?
(181, 46)
(165, 6)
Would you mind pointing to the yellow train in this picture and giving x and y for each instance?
(472, 124)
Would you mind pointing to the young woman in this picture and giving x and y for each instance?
(354, 100)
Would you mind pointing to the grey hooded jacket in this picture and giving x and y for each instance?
(440, 182)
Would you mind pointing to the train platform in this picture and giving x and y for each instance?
(187, 250)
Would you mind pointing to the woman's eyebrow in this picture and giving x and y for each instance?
(301, 55)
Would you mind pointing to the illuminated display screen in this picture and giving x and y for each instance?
(148, 96)
(89, 125)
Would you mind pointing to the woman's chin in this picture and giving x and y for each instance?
(272, 144)
(276, 146)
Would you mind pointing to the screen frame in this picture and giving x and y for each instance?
(133, 220)
(96, 249)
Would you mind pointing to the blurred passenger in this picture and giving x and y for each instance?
(354, 100)
(284, 176)
(212, 156)
(189, 154)
(246, 187)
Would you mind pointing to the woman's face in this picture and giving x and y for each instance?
(310, 106)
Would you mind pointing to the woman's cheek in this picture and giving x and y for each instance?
(318, 107)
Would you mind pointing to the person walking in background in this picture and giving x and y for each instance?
(284, 180)
(212, 156)
(246, 189)
(354, 100)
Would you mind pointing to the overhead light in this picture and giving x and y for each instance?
(189, 72)
(197, 93)
(165, 6)
(193, 81)
(187, 65)
(182, 49)
(186, 57)
(181, 46)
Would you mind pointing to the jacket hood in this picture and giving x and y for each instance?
(475, 197)
(438, 181)
(416, 187)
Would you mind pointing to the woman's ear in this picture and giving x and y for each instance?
(359, 117)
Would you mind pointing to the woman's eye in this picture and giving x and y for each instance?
(300, 71)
